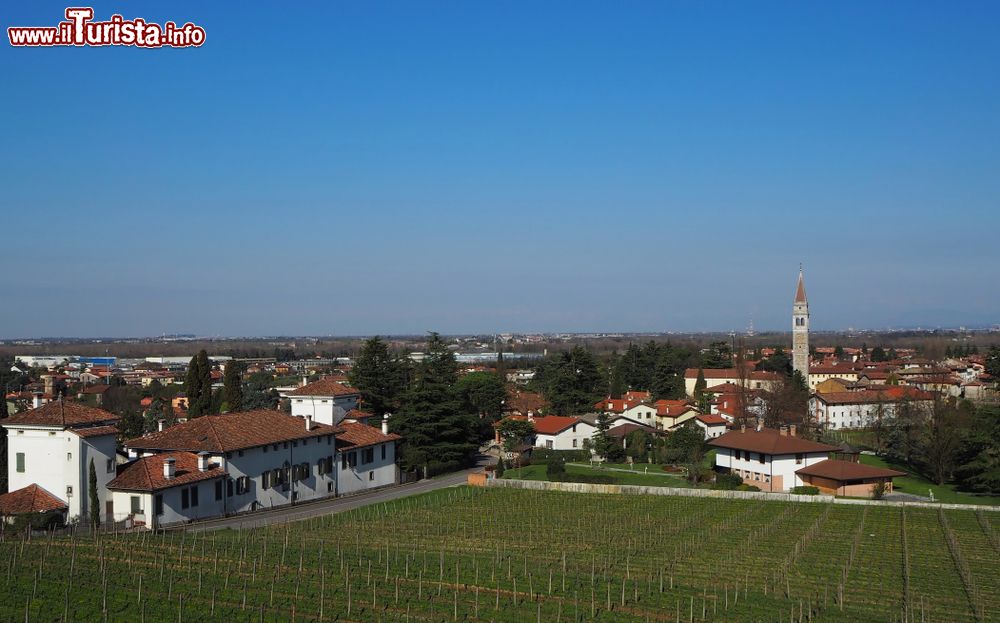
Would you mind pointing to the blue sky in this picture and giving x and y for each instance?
(371, 167)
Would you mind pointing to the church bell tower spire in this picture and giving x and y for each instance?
(800, 329)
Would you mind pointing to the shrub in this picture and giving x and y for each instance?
(554, 469)
(727, 481)
(806, 490)
(746, 487)
(544, 455)
(879, 489)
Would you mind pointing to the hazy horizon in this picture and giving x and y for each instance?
(395, 168)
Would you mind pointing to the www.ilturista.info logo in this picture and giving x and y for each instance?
(79, 29)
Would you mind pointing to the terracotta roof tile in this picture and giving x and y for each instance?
(836, 469)
(231, 431)
(554, 424)
(94, 431)
(768, 441)
(61, 413)
(327, 386)
(146, 474)
(356, 434)
(30, 499)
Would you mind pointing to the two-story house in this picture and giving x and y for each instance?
(244, 461)
(767, 458)
(53, 446)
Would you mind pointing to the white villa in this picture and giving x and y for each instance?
(238, 462)
(860, 409)
(52, 447)
(767, 458)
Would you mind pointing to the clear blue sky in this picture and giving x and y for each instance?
(372, 167)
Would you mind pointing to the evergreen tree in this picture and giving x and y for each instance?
(431, 420)
(379, 376)
(719, 355)
(838, 352)
(198, 386)
(483, 394)
(878, 354)
(95, 501)
(130, 425)
(571, 381)
(3, 443)
(668, 375)
(606, 446)
(232, 381)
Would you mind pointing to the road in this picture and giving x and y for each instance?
(330, 506)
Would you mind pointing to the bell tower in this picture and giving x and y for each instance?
(800, 330)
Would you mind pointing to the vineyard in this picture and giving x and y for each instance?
(506, 555)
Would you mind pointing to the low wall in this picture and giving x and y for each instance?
(580, 487)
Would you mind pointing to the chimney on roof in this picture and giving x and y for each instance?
(36, 400)
(159, 424)
(305, 381)
(791, 430)
(760, 424)
(309, 423)
(385, 424)
(743, 428)
(783, 431)
(531, 416)
(203, 461)
(169, 471)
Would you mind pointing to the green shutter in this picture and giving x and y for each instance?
(20, 462)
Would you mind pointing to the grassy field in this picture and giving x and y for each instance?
(918, 485)
(512, 556)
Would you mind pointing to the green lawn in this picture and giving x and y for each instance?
(656, 477)
(918, 485)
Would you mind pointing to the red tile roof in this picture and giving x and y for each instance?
(30, 499)
(356, 434)
(732, 373)
(61, 413)
(231, 431)
(768, 441)
(712, 420)
(672, 408)
(94, 431)
(622, 430)
(554, 424)
(873, 396)
(146, 474)
(327, 386)
(836, 469)
(96, 389)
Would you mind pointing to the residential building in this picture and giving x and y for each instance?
(326, 401)
(752, 379)
(767, 458)
(244, 461)
(847, 478)
(52, 446)
(673, 413)
(712, 425)
(861, 409)
(559, 432)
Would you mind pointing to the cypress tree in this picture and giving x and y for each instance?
(95, 502)
(233, 386)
